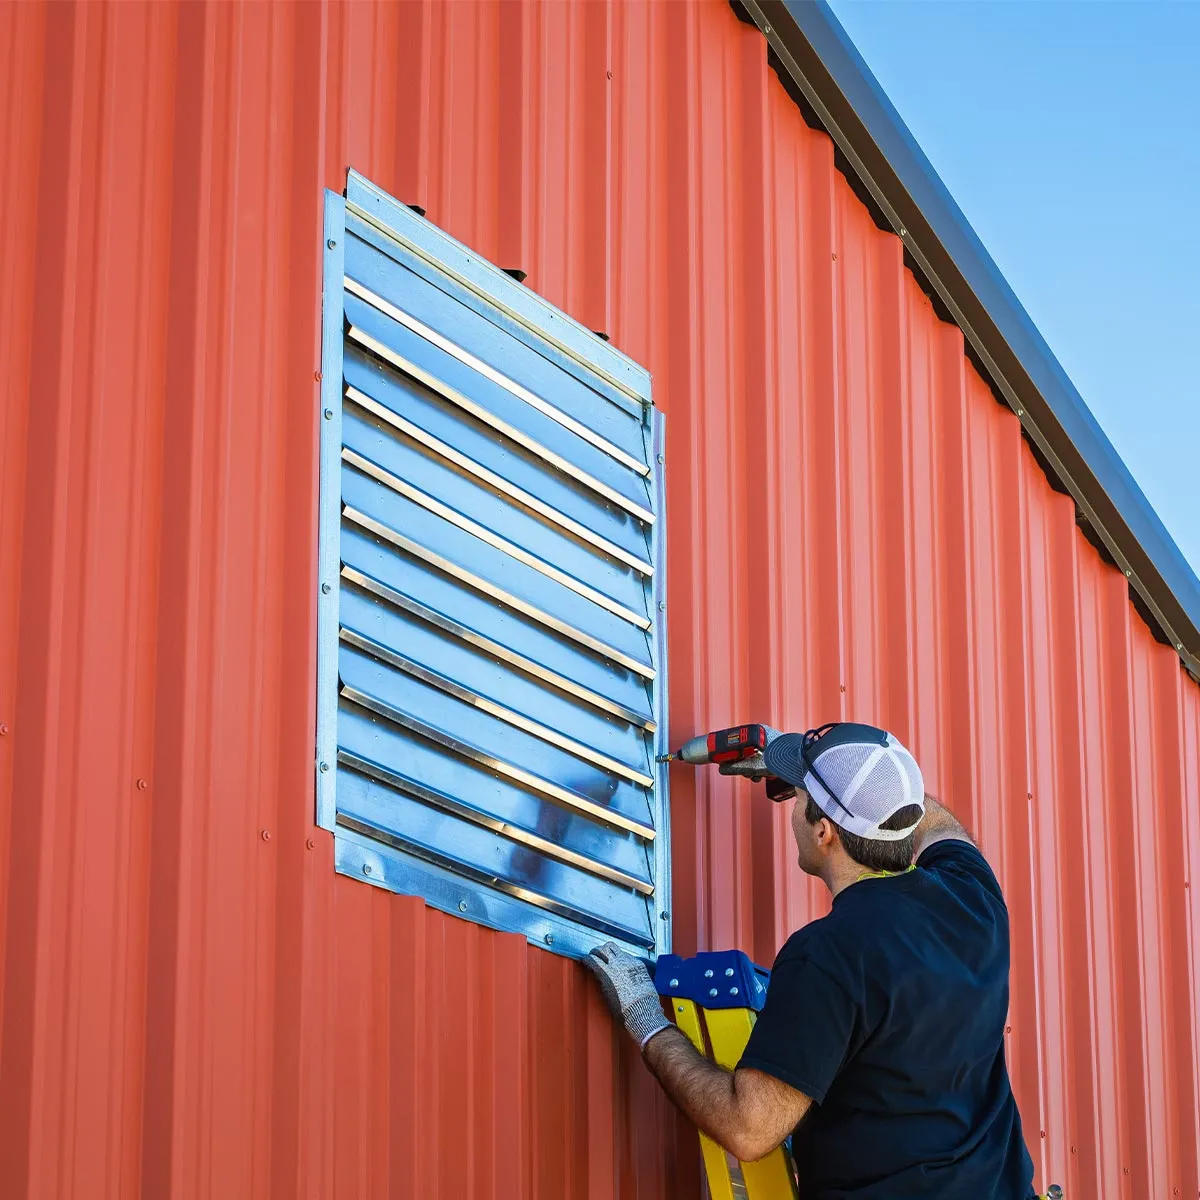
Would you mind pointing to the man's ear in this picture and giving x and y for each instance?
(826, 834)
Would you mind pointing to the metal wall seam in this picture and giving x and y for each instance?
(191, 1001)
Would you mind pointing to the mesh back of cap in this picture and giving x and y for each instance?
(872, 781)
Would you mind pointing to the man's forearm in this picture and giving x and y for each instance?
(937, 825)
(702, 1090)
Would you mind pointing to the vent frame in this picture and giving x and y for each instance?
(397, 860)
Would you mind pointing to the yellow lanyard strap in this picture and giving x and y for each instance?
(885, 874)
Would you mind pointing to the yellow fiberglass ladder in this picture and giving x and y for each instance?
(714, 998)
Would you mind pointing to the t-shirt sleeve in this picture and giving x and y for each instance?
(802, 1035)
(955, 856)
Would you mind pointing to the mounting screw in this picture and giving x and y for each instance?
(665, 916)
(1128, 574)
(903, 232)
(733, 991)
(326, 588)
(1020, 412)
(768, 30)
(329, 414)
(324, 766)
(331, 243)
(3, 730)
(317, 376)
(662, 606)
(707, 974)
(366, 868)
(310, 844)
(1178, 645)
(674, 983)
(712, 991)
(462, 906)
(266, 835)
(549, 939)
(662, 458)
(729, 971)
(142, 785)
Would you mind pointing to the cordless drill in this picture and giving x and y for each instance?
(738, 751)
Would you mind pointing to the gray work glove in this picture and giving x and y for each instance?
(628, 991)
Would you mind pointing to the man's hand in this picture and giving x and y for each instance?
(628, 991)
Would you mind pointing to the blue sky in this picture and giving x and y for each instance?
(1069, 135)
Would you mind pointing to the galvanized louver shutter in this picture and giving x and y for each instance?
(491, 611)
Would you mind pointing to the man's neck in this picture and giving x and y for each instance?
(840, 872)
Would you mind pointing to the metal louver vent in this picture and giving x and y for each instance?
(491, 614)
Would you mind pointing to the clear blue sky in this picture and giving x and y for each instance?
(1069, 135)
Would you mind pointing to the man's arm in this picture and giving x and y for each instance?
(745, 1111)
(938, 825)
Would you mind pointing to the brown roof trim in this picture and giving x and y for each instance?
(816, 56)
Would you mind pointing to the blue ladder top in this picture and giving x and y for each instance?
(713, 979)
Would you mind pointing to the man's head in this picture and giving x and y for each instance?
(861, 797)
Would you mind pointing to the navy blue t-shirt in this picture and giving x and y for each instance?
(890, 1013)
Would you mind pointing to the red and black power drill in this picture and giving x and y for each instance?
(738, 751)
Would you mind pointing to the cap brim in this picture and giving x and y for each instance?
(784, 758)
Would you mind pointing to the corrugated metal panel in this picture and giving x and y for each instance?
(490, 624)
(193, 1002)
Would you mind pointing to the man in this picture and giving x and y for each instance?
(881, 1042)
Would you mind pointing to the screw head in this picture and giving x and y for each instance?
(662, 606)
(462, 906)
(674, 983)
(329, 414)
(310, 844)
(266, 835)
(549, 939)
(142, 785)
(1128, 574)
(366, 868)
(903, 232)
(1020, 412)
(326, 589)
(3, 730)
(324, 767)
(318, 376)
(729, 971)
(665, 916)
(733, 991)
(712, 991)
(331, 243)
(662, 458)
(707, 974)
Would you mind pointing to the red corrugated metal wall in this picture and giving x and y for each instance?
(192, 1003)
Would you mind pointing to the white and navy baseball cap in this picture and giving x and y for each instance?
(857, 774)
